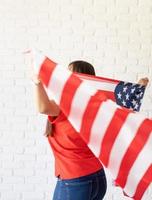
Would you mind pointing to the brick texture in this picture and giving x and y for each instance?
(114, 35)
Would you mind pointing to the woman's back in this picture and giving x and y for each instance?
(73, 158)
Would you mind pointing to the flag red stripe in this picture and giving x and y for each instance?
(109, 94)
(136, 146)
(143, 184)
(46, 70)
(111, 134)
(68, 93)
(96, 78)
(89, 117)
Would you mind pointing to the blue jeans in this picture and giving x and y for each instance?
(90, 187)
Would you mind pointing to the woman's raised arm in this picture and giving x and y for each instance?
(43, 104)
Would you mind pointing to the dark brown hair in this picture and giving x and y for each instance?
(75, 66)
(83, 67)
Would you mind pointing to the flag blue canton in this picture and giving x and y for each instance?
(129, 95)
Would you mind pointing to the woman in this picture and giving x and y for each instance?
(80, 174)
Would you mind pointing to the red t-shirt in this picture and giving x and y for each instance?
(73, 158)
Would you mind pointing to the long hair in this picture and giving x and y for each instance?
(79, 66)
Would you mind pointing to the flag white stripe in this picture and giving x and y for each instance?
(110, 87)
(144, 197)
(79, 104)
(57, 82)
(146, 159)
(122, 142)
(38, 59)
(100, 125)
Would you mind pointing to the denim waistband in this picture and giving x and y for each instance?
(83, 178)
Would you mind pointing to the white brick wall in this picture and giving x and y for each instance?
(114, 35)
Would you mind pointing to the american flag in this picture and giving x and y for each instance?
(119, 137)
(125, 94)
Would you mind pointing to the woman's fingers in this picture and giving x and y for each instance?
(143, 81)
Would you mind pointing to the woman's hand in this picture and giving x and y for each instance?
(33, 75)
(143, 81)
(36, 80)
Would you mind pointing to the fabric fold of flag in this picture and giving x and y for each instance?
(125, 94)
(119, 137)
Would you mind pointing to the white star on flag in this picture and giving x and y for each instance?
(132, 90)
(127, 96)
(136, 106)
(119, 95)
(134, 102)
(125, 89)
